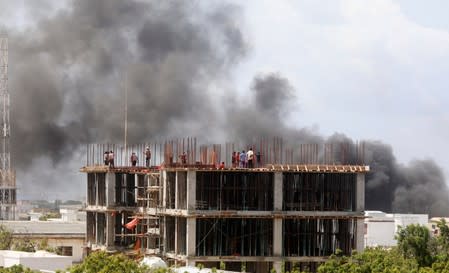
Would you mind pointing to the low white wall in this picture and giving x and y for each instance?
(35, 261)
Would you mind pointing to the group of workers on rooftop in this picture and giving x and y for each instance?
(239, 159)
(245, 160)
(109, 158)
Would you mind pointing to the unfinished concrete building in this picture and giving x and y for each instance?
(275, 215)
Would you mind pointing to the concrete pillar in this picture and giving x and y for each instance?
(110, 189)
(359, 245)
(360, 192)
(191, 190)
(164, 188)
(277, 266)
(360, 207)
(278, 191)
(177, 178)
(191, 240)
(277, 222)
(277, 237)
(110, 230)
(176, 234)
(164, 236)
(136, 189)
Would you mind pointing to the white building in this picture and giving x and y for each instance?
(72, 213)
(381, 227)
(433, 224)
(65, 236)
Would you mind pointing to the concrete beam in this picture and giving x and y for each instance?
(250, 258)
(265, 214)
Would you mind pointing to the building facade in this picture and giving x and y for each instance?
(276, 216)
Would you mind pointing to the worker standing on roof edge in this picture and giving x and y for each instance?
(250, 157)
(147, 157)
(243, 159)
(237, 159)
(106, 158)
(183, 158)
(134, 159)
(111, 159)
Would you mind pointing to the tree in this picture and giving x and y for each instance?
(101, 262)
(24, 244)
(370, 260)
(443, 237)
(414, 242)
(5, 238)
(16, 269)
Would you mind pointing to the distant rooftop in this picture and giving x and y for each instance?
(46, 227)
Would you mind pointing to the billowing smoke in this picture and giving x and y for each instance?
(419, 187)
(69, 73)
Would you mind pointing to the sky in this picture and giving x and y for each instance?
(371, 70)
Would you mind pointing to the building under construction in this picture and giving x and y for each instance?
(296, 207)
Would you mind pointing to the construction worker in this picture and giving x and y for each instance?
(183, 158)
(233, 159)
(111, 159)
(243, 159)
(147, 156)
(237, 159)
(134, 159)
(106, 158)
(250, 157)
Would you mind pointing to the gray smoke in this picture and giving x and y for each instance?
(418, 187)
(68, 74)
(69, 70)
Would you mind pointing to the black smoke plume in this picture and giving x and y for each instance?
(70, 69)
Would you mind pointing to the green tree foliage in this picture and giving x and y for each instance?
(443, 238)
(370, 260)
(101, 262)
(5, 238)
(16, 269)
(417, 252)
(414, 242)
(24, 244)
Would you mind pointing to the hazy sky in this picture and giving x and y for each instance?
(368, 69)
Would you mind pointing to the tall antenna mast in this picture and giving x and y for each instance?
(5, 165)
(8, 176)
